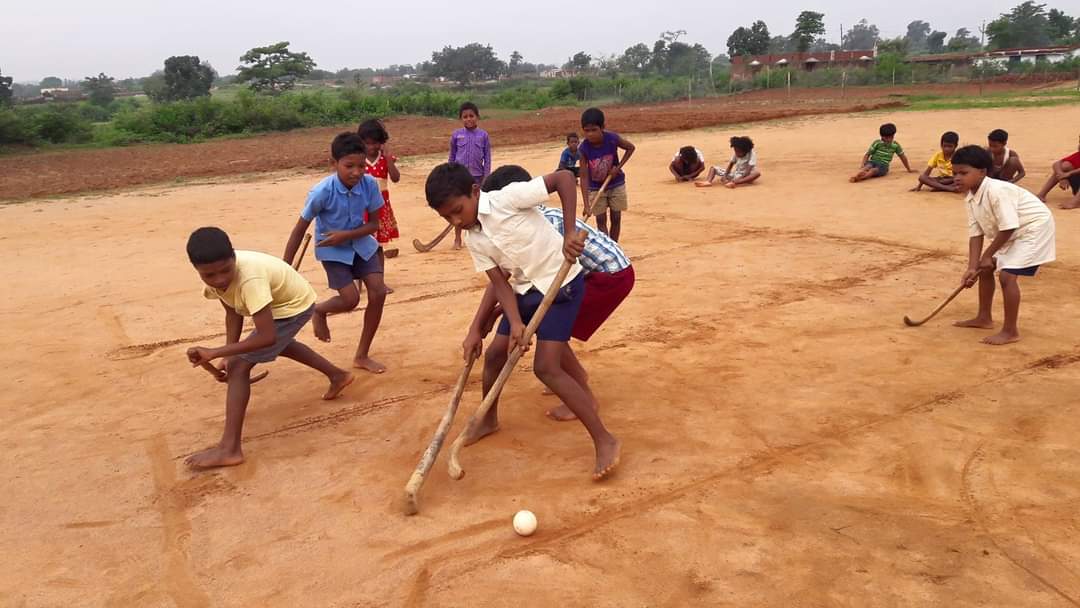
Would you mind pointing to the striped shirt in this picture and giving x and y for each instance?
(601, 253)
(881, 153)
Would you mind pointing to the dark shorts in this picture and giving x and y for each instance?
(575, 170)
(1022, 272)
(1074, 181)
(603, 294)
(558, 323)
(286, 330)
(882, 168)
(339, 275)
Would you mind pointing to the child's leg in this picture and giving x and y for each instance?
(983, 320)
(376, 297)
(709, 177)
(347, 299)
(457, 239)
(1050, 181)
(1073, 203)
(1010, 292)
(573, 367)
(549, 369)
(494, 360)
(616, 225)
(601, 222)
(749, 178)
(382, 262)
(228, 452)
(338, 377)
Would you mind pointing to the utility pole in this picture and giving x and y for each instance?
(982, 34)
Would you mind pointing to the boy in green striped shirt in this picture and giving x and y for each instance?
(876, 161)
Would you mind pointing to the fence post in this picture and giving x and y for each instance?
(690, 91)
(894, 77)
(843, 84)
(789, 83)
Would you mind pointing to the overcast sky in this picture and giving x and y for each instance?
(76, 38)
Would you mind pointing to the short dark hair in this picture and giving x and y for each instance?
(887, 130)
(345, 144)
(592, 116)
(504, 176)
(742, 144)
(374, 130)
(1000, 135)
(950, 137)
(445, 181)
(573, 135)
(208, 245)
(976, 157)
(688, 154)
(468, 105)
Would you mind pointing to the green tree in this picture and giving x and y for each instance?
(1063, 28)
(5, 89)
(51, 82)
(580, 61)
(898, 47)
(753, 40)
(917, 33)
(187, 78)
(862, 36)
(963, 42)
(100, 89)
(635, 59)
(466, 64)
(935, 42)
(1025, 25)
(274, 68)
(515, 62)
(780, 44)
(808, 27)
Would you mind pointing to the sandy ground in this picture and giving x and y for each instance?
(787, 441)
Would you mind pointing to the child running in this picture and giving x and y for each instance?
(570, 156)
(600, 153)
(609, 277)
(741, 170)
(1007, 165)
(1021, 233)
(382, 165)
(687, 164)
(470, 146)
(279, 301)
(876, 161)
(345, 208)
(1065, 173)
(521, 253)
(942, 163)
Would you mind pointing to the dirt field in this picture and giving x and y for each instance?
(71, 171)
(787, 442)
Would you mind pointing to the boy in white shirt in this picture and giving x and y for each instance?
(1021, 229)
(742, 169)
(521, 252)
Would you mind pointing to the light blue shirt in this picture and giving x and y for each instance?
(335, 207)
(601, 254)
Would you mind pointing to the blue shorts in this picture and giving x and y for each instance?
(285, 330)
(558, 323)
(1022, 272)
(339, 275)
(882, 168)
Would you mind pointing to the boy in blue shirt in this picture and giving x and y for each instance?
(568, 161)
(345, 244)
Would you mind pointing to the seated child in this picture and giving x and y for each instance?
(687, 164)
(609, 277)
(1020, 229)
(942, 162)
(876, 161)
(279, 301)
(570, 156)
(741, 169)
(1007, 165)
(1066, 173)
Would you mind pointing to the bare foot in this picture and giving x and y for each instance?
(369, 364)
(458, 245)
(731, 185)
(482, 430)
(976, 323)
(389, 290)
(337, 385)
(853, 179)
(216, 456)
(703, 184)
(1002, 337)
(390, 253)
(322, 329)
(607, 459)
(1069, 205)
(561, 414)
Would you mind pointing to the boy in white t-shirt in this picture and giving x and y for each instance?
(1021, 229)
(521, 253)
(741, 170)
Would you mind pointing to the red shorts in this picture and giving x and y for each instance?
(603, 294)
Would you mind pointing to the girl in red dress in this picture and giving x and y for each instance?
(382, 166)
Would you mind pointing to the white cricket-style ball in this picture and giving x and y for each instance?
(524, 523)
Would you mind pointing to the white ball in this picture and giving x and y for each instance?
(524, 523)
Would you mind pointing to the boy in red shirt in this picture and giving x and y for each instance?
(1066, 173)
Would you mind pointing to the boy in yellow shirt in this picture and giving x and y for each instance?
(942, 162)
(279, 301)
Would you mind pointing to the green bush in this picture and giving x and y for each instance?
(60, 124)
(14, 130)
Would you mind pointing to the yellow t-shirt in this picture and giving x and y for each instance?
(263, 279)
(942, 164)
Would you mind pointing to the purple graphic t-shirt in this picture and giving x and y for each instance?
(601, 159)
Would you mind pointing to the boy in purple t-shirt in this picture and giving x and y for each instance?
(599, 159)
(470, 146)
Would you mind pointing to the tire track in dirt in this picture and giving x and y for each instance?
(752, 466)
